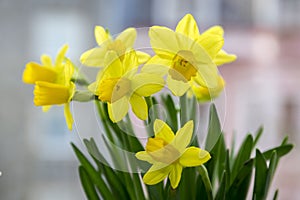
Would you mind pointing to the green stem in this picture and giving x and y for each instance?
(205, 179)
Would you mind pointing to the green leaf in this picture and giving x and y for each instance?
(281, 151)
(243, 155)
(115, 182)
(201, 191)
(206, 181)
(214, 129)
(216, 165)
(275, 195)
(221, 193)
(271, 171)
(258, 135)
(261, 170)
(240, 185)
(172, 118)
(93, 174)
(87, 184)
(188, 183)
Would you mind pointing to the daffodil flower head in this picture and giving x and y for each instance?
(169, 153)
(60, 93)
(204, 94)
(120, 45)
(46, 71)
(189, 55)
(120, 85)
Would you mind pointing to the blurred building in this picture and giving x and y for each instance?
(36, 159)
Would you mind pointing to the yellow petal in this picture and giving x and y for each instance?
(163, 41)
(142, 57)
(156, 174)
(113, 65)
(34, 72)
(139, 106)
(143, 155)
(188, 26)
(69, 71)
(184, 42)
(61, 55)
(157, 65)
(146, 84)
(46, 108)
(118, 109)
(193, 157)
(162, 130)
(49, 94)
(68, 116)
(212, 43)
(127, 37)
(223, 58)
(183, 136)
(101, 35)
(207, 75)
(130, 62)
(204, 94)
(93, 57)
(175, 175)
(215, 30)
(178, 88)
(46, 60)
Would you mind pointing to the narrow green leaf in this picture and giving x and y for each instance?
(243, 155)
(275, 195)
(172, 118)
(188, 183)
(240, 185)
(183, 110)
(285, 140)
(271, 170)
(281, 151)
(258, 135)
(115, 182)
(214, 128)
(206, 181)
(93, 174)
(221, 193)
(87, 184)
(201, 191)
(261, 170)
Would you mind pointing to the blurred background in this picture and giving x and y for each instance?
(36, 159)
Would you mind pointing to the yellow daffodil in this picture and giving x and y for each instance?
(204, 94)
(169, 153)
(186, 55)
(123, 43)
(46, 93)
(47, 71)
(52, 81)
(119, 85)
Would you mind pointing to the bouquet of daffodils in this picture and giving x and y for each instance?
(129, 85)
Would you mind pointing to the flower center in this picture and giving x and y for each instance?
(182, 68)
(161, 151)
(118, 47)
(113, 89)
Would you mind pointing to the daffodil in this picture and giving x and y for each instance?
(46, 71)
(121, 44)
(47, 94)
(169, 153)
(52, 81)
(204, 94)
(186, 55)
(119, 85)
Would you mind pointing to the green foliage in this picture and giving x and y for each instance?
(227, 175)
